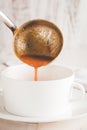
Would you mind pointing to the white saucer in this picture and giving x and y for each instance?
(77, 110)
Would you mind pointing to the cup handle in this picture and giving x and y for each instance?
(78, 87)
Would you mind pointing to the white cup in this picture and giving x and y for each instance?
(47, 97)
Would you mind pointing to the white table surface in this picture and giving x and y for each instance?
(79, 124)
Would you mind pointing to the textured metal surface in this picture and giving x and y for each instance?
(38, 38)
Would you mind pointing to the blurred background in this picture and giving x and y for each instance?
(69, 15)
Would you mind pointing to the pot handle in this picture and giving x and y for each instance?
(7, 22)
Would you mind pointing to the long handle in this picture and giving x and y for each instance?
(7, 22)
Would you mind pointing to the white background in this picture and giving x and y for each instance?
(69, 15)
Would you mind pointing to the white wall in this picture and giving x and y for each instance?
(69, 15)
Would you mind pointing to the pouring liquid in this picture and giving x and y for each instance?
(36, 62)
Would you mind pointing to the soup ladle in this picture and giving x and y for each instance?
(36, 42)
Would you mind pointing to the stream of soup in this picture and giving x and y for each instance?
(36, 62)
